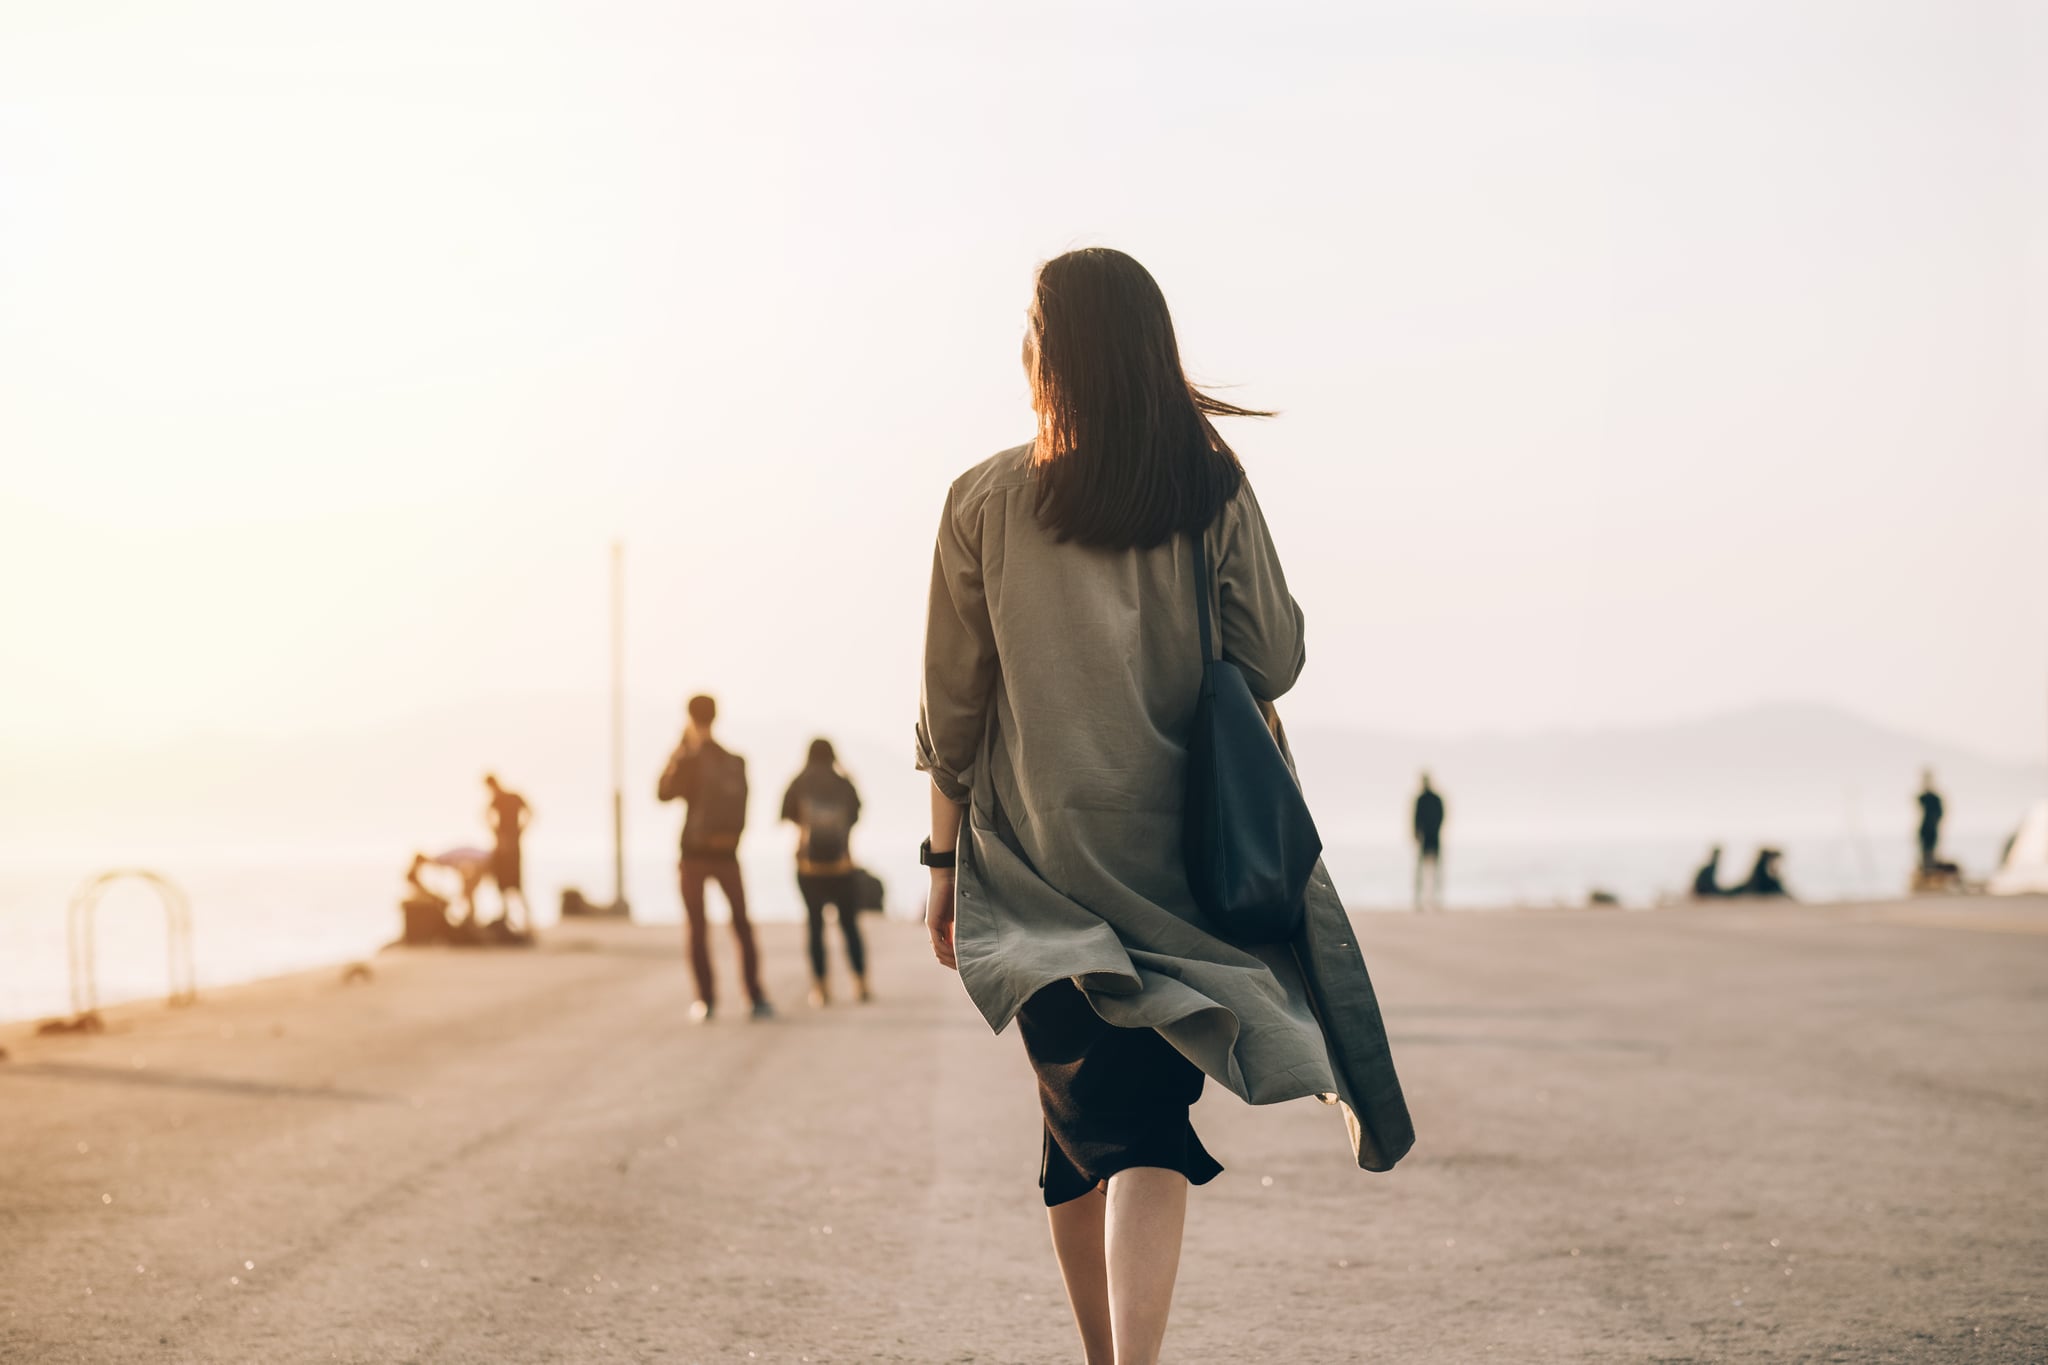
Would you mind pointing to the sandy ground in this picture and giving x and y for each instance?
(1717, 1135)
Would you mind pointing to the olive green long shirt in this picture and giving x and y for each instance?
(1059, 689)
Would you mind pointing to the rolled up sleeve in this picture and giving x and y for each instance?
(959, 657)
(1264, 632)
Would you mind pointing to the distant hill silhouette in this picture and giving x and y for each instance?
(1769, 772)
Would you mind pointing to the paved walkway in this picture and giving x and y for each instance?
(1717, 1135)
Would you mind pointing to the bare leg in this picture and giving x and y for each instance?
(1146, 1210)
(1077, 1242)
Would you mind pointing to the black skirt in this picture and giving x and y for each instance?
(1113, 1097)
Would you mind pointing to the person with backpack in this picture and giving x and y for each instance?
(824, 806)
(711, 781)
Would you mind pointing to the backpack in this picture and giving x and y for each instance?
(828, 827)
(718, 806)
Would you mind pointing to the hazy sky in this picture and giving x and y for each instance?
(1636, 361)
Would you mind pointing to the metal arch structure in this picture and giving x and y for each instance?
(80, 926)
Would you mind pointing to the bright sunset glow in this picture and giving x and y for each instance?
(1632, 366)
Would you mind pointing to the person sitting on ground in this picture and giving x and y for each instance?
(470, 865)
(1706, 883)
(824, 806)
(1763, 878)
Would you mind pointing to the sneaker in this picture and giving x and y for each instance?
(861, 991)
(763, 1010)
(700, 1011)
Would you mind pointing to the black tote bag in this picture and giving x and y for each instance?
(1247, 837)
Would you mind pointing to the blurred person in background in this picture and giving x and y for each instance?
(1429, 857)
(1706, 883)
(711, 782)
(508, 816)
(824, 806)
(1930, 820)
(470, 866)
(1764, 880)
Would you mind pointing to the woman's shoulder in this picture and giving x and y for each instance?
(1242, 515)
(1009, 468)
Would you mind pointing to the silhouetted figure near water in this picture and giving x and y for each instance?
(1429, 864)
(1935, 874)
(1763, 878)
(1930, 820)
(712, 782)
(824, 806)
(509, 816)
(1706, 883)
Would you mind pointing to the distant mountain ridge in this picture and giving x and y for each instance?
(1760, 773)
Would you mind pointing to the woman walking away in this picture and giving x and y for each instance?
(1062, 665)
(824, 806)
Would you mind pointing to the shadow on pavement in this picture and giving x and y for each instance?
(179, 1080)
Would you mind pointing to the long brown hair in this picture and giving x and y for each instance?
(1126, 454)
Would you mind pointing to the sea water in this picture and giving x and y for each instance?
(258, 913)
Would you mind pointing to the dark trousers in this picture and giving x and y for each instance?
(726, 872)
(837, 892)
(1429, 867)
(1930, 835)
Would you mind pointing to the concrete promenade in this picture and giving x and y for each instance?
(1814, 1135)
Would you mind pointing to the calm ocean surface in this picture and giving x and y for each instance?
(260, 915)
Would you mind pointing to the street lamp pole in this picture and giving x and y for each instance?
(619, 726)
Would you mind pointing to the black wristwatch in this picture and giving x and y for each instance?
(931, 859)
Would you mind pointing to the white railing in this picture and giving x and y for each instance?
(80, 927)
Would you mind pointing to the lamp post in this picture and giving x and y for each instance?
(619, 728)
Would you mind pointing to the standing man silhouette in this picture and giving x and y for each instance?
(712, 783)
(1429, 828)
(509, 816)
(1930, 819)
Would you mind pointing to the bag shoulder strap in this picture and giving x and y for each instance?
(1199, 540)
